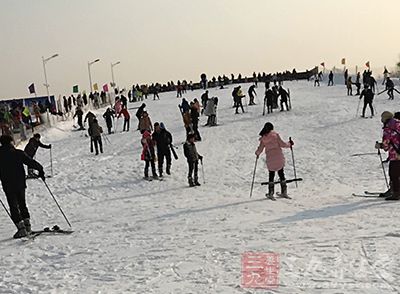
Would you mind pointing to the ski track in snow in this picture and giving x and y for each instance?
(134, 236)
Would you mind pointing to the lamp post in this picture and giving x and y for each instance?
(90, 76)
(112, 72)
(45, 60)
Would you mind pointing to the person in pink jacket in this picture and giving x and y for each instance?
(273, 144)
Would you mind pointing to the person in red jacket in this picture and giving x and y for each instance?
(127, 118)
(148, 155)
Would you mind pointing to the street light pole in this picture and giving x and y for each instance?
(112, 72)
(90, 75)
(45, 60)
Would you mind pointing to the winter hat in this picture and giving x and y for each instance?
(5, 140)
(386, 115)
(162, 126)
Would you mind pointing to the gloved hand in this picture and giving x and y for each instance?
(50, 146)
(291, 141)
(201, 158)
(41, 175)
(378, 145)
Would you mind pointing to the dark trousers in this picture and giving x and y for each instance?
(370, 107)
(16, 202)
(239, 104)
(281, 175)
(196, 130)
(251, 99)
(269, 108)
(98, 143)
(161, 156)
(126, 125)
(153, 168)
(193, 170)
(330, 83)
(80, 122)
(390, 93)
(394, 175)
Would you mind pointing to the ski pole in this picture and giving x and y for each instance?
(363, 154)
(294, 165)
(202, 171)
(383, 167)
(358, 107)
(5, 208)
(51, 162)
(58, 205)
(254, 176)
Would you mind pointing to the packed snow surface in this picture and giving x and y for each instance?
(135, 236)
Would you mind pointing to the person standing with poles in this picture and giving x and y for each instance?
(368, 98)
(391, 144)
(273, 144)
(31, 149)
(12, 176)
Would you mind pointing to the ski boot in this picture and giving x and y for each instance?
(395, 196)
(27, 224)
(196, 182)
(191, 184)
(271, 190)
(21, 230)
(386, 194)
(168, 171)
(284, 193)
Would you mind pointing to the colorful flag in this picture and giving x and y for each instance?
(105, 87)
(343, 61)
(32, 89)
(75, 89)
(367, 64)
(323, 64)
(95, 87)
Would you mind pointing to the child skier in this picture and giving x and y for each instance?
(148, 155)
(190, 152)
(273, 144)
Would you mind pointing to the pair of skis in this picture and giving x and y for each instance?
(55, 230)
(368, 194)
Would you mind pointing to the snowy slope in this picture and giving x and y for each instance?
(133, 236)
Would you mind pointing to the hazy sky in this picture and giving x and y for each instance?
(160, 40)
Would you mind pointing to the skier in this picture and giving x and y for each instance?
(145, 123)
(391, 143)
(269, 98)
(163, 140)
(330, 79)
(90, 117)
(96, 132)
(204, 100)
(31, 149)
(79, 114)
(108, 116)
(316, 80)
(127, 118)
(148, 155)
(273, 144)
(139, 112)
(284, 98)
(237, 98)
(349, 84)
(12, 176)
(190, 152)
(368, 98)
(372, 82)
(194, 118)
(390, 88)
(252, 92)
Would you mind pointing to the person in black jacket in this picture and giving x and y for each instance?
(284, 98)
(31, 149)
(190, 152)
(163, 140)
(79, 114)
(108, 116)
(252, 92)
(368, 98)
(12, 176)
(269, 98)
